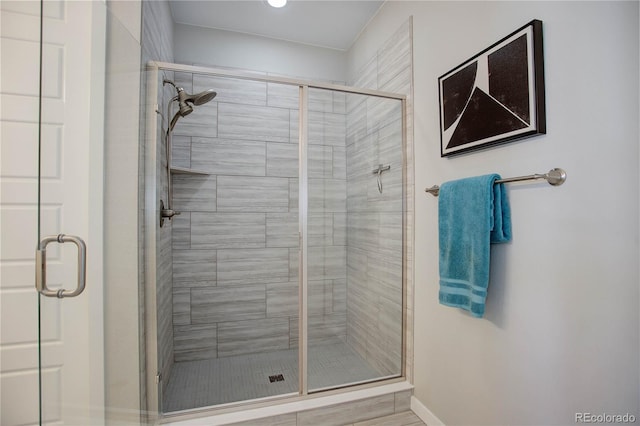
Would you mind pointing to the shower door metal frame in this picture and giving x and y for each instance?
(153, 393)
(303, 205)
(151, 140)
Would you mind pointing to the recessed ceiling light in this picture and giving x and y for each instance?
(277, 3)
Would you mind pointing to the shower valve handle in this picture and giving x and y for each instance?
(169, 213)
(166, 213)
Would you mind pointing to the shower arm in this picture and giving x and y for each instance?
(165, 81)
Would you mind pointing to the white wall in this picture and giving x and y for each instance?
(561, 332)
(205, 46)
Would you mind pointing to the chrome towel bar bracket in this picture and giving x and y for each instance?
(555, 177)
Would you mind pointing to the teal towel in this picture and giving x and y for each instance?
(473, 213)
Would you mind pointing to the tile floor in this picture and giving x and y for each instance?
(217, 381)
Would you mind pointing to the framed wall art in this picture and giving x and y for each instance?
(495, 97)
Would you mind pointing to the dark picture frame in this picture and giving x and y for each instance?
(495, 97)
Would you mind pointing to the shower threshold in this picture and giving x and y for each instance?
(204, 383)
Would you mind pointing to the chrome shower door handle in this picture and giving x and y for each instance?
(41, 265)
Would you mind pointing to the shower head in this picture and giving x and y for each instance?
(202, 97)
(186, 101)
(197, 99)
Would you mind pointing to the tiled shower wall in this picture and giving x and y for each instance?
(375, 220)
(235, 243)
(374, 231)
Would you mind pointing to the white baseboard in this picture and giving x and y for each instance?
(424, 413)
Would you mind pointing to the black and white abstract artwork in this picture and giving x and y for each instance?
(495, 97)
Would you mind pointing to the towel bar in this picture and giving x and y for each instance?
(555, 177)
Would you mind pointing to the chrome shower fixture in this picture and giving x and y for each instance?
(378, 171)
(185, 108)
(202, 97)
(186, 102)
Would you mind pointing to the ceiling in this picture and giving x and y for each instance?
(327, 23)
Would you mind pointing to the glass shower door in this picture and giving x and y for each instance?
(71, 345)
(261, 169)
(232, 317)
(355, 217)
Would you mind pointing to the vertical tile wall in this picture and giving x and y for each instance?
(374, 231)
(235, 243)
(374, 221)
(327, 207)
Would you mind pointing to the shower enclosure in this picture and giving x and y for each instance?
(281, 272)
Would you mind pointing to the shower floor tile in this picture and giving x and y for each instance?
(209, 382)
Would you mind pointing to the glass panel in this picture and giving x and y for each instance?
(355, 239)
(234, 246)
(70, 341)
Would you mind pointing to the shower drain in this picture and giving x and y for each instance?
(276, 378)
